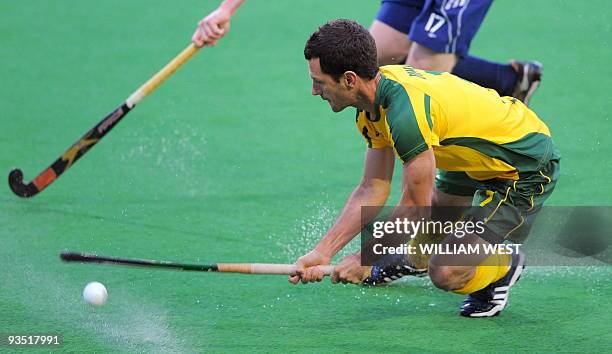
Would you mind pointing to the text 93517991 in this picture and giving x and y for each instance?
(30, 339)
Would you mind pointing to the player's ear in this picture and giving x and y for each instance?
(350, 79)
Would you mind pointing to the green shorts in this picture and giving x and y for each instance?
(509, 208)
(456, 183)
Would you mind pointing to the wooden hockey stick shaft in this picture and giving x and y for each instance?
(244, 268)
(93, 136)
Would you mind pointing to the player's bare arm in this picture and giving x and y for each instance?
(417, 178)
(216, 24)
(373, 190)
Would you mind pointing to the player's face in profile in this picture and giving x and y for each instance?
(325, 86)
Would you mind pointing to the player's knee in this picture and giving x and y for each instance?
(389, 54)
(426, 59)
(420, 62)
(440, 276)
(392, 46)
(447, 278)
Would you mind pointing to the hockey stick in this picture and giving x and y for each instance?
(93, 136)
(245, 268)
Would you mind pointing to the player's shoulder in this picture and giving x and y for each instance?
(396, 93)
(402, 81)
(408, 75)
(390, 88)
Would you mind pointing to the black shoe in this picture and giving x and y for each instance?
(529, 78)
(391, 268)
(490, 301)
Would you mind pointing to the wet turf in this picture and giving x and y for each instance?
(233, 160)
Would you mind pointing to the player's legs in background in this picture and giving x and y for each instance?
(443, 32)
(392, 46)
(424, 58)
(518, 79)
(390, 29)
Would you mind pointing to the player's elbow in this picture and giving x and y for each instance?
(375, 191)
(419, 193)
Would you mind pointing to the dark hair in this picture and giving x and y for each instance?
(343, 45)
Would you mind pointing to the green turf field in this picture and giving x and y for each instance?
(232, 160)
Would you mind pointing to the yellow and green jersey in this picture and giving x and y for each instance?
(470, 128)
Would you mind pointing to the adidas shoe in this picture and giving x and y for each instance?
(389, 269)
(490, 301)
(529, 78)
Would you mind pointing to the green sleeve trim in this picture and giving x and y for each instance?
(414, 152)
(404, 128)
(427, 112)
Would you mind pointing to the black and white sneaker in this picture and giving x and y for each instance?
(490, 301)
(529, 78)
(391, 268)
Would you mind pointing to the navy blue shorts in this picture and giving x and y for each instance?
(444, 26)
